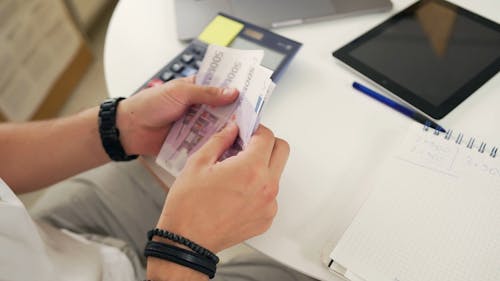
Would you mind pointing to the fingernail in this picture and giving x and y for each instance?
(228, 91)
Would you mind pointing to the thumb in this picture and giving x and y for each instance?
(211, 151)
(197, 94)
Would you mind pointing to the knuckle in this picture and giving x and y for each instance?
(255, 173)
(272, 210)
(218, 137)
(188, 79)
(271, 191)
(264, 131)
(194, 161)
(178, 92)
(214, 90)
(268, 133)
(173, 86)
(283, 144)
(265, 225)
(198, 159)
(211, 92)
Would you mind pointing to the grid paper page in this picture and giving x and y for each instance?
(433, 215)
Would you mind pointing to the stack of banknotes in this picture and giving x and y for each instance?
(221, 67)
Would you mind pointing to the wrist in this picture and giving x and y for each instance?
(125, 123)
(173, 261)
(162, 270)
(190, 232)
(137, 137)
(109, 132)
(186, 244)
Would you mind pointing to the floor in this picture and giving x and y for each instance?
(92, 88)
(90, 92)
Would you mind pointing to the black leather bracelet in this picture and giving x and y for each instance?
(184, 241)
(181, 256)
(110, 135)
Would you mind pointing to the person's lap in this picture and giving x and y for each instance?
(119, 200)
(123, 201)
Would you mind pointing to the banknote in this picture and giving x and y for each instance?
(221, 67)
(254, 95)
(226, 67)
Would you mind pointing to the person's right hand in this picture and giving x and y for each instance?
(220, 204)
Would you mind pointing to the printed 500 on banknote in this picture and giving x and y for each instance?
(221, 67)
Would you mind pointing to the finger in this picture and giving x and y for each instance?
(212, 150)
(187, 79)
(189, 93)
(279, 158)
(261, 144)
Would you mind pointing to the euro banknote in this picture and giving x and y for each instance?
(221, 67)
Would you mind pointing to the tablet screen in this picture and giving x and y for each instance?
(433, 54)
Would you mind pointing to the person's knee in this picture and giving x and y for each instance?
(68, 205)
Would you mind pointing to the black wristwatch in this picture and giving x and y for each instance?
(110, 135)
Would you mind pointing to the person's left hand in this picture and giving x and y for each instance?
(145, 119)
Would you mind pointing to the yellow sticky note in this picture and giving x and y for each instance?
(221, 31)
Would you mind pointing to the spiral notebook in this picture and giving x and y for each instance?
(433, 214)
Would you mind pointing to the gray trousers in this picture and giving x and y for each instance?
(116, 204)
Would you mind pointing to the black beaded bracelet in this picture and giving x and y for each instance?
(184, 241)
(181, 256)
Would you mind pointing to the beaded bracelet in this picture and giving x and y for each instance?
(181, 256)
(184, 241)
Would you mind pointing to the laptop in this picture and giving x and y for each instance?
(193, 15)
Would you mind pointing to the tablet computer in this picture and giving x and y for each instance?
(433, 54)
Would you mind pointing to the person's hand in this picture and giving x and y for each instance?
(145, 118)
(219, 204)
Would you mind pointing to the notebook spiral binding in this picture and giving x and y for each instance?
(460, 139)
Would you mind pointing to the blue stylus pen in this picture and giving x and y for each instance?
(402, 109)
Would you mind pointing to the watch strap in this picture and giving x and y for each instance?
(110, 135)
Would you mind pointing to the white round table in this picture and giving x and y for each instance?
(336, 134)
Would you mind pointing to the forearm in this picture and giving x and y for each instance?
(37, 154)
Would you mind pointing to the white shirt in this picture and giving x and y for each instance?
(36, 251)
